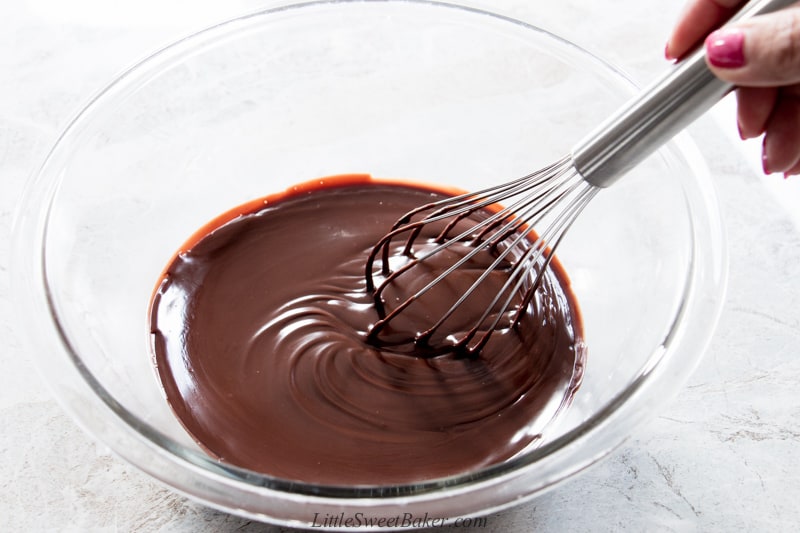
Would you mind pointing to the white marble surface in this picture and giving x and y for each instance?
(723, 456)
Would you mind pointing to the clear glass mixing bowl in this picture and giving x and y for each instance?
(401, 89)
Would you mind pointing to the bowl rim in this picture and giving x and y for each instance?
(135, 439)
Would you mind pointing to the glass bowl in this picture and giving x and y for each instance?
(428, 91)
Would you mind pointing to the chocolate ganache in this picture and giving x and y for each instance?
(259, 329)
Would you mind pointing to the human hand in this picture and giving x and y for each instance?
(761, 56)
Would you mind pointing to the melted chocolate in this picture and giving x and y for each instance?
(259, 328)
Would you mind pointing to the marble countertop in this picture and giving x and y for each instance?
(724, 455)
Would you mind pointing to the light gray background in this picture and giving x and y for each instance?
(725, 454)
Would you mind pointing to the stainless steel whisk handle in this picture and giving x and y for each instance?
(659, 112)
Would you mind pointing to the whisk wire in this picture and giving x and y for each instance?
(535, 196)
(456, 209)
(543, 247)
(553, 235)
(465, 205)
(530, 206)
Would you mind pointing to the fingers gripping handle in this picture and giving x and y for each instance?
(659, 112)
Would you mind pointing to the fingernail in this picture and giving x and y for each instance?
(725, 48)
(667, 55)
(764, 160)
(739, 127)
(786, 175)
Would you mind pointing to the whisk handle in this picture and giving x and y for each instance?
(659, 112)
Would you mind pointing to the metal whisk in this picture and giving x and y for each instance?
(557, 193)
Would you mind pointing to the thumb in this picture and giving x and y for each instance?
(759, 52)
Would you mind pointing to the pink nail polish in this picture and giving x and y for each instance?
(667, 55)
(739, 127)
(725, 48)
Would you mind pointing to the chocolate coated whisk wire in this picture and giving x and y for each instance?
(506, 233)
